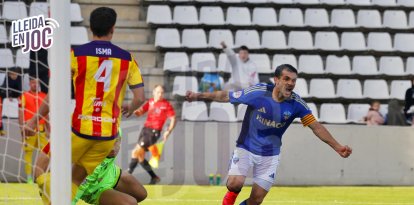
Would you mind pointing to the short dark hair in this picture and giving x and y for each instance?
(244, 48)
(281, 68)
(102, 19)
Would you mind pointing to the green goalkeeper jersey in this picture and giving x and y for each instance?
(105, 176)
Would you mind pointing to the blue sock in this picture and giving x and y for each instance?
(244, 202)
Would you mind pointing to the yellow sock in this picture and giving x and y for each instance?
(43, 182)
(28, 153)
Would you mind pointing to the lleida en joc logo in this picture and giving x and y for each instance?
(33, 33)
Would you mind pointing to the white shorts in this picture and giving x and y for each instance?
(264, 167)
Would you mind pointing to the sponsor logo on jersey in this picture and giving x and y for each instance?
(268, 122)
(262, 110)
(96, 118)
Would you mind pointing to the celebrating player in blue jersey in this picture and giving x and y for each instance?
(271, 109)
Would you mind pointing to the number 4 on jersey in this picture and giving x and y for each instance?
(103, 74)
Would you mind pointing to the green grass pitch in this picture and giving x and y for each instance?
(22, 194)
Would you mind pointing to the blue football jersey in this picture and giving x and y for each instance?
(266, 120)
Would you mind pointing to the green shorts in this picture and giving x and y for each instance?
(105, 177)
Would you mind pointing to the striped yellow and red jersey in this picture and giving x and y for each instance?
(101, 72)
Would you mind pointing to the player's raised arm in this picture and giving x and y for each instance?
(218, 96)
(323, 134)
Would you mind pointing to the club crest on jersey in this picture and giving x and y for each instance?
(237, 94)
(286, 115)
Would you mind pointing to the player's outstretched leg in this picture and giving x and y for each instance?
(234, 186)
(258, 194)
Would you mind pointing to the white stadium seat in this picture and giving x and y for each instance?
(249, 38)
(2, 78)
(219, 35)
(224, 64)
(404, 42)
(327, 40)
(301, 40)
(407, 3)
(222, 112)
(176, 62)
(281, 1)
(273, 40)
(291, 17)
(185, 15)
(343, 18)
(14, 10)
(159, 14)
(409, 69)
(78, 35)
(316, 18)
(314, 110)
(395, 19)
(194, 111)
(384, 2)
(349, 88)
(359, 2)
(3, 34)
(376, 89)
(239, 16)
(379, 41)
(6, 57)
(264, 17)
(369, 18)
(167, 38)
(322, 88)
(338, 65)
(22, 59)
(182, 84)
(39, 8)
(262, 63)
(241, 111)
(306, 1)
(75, 13)
(411, 19)
(311, 64)
(301, 88)
(333, 2)
(353, 41)
(364, 65)
(357, 112)
(332, 113)
(194, 38)
(391, 65)
(256, 1)
(203, 62)
(398, 88)
(279, 59)
(10, 108)
(211, 15)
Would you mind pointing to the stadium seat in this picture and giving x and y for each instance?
(310, 64)
(409, 69)
(395, 19)
(314, 110)
(176, 62)
(273, 40)
(194, 38)
(238, 16)
(306, 1)
(2, 77)
(301, 40)
(222, 112)
(379, 41)
(219, 35)
(327, 40)
(398, 88)
(407, 3)
(3, 34)
(353, 41)
(333, 2)
(279, 59)
(291, 17)
(159, 14)
(376, 89)
(359, 2)
(185, 15)
(194, 111)
(404, 42)
(357, 112)
(349, 88)
(10, 108)
(332, 113)
(364, 65)
(39, 8)
(249, 38)
(411, 19)
(22, 59)
(241, 111)
(167, 38)
(6, 57)
(301, 88)
(75, 13)
(179, 0)
(391, 65)
(78, 35)
(14, 10)
(264, 17)
(256, 1)
(322, 88)
(230, 1)
(203, 62)
(26, 82)
(338, 65)
(262, 62)
(281, 1)
(224, 64)
(316, 18)
(384, 2)
(343, 18)
(384, 109)
(369, 18)
(182, 84)
(211, 15)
